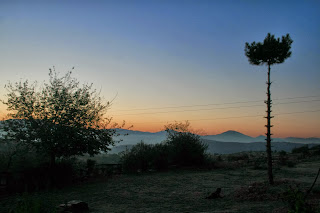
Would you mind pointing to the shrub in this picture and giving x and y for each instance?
(182, 148)
(315, 150)
(238, 157)
(160, 156)
(297, 201)
(211, 161)
(186, 149)
(140, 157)
(303, 150)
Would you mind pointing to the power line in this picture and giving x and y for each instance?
(235, 117)
(221, 108)
(226, 103)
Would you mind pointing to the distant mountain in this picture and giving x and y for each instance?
(234, 147)
(234, 136)
(230, 136)
(225, 143)
(133, 137)
(217, 147)
(303, 140)
(130, 137)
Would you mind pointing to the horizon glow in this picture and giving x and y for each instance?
(164, 54)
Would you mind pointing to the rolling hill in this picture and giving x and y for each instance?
(224, 143)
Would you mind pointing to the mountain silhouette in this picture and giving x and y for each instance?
(134, 137)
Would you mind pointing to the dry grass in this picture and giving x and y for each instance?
(183, 191)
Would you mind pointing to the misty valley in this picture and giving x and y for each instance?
(138, 174)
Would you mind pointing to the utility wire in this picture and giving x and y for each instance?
(245, 116)
(226, 103)
(221, 108)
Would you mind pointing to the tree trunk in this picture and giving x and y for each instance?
(268, 139)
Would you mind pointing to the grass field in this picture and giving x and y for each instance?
(182, 191)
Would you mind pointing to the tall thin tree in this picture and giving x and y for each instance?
(271, 51)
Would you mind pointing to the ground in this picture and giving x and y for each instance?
(244, 189)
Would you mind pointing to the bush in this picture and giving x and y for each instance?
(238, 157)
(186, 149)
(315, 150)
(302, 150)
(297, 201)
(182, 148)
(140, 157)
(17, 157)
(211, 161)
(160, 156)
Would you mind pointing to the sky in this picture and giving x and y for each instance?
(167, 61)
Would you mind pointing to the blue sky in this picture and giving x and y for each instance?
(158, 54)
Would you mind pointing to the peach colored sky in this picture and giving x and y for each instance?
(162, 54)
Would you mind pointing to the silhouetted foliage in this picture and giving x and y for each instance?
(271, 51)
(62, 119)
(315, 150)
(302, 150)
(181, 148)
(297, 201)
(185, 148)
(160, 156)
(143, 157)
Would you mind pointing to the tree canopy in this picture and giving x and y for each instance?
(61, 118)
(271, 51)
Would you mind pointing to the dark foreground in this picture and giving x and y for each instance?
(243, 189)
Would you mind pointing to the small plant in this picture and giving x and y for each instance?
(297, 201)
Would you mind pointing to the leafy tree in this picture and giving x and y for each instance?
(62, 118)
(271, 51)
(185, 147)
